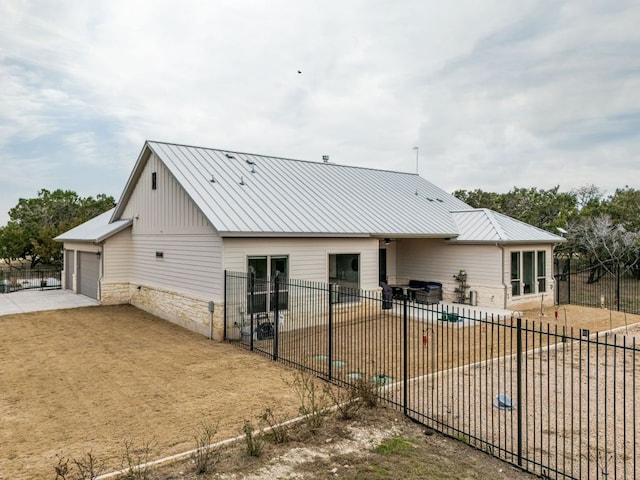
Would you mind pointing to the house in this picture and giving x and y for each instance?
(188, 214)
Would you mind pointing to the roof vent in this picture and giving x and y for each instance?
(430, 199)
(325, 158)
(253, 168)
(250, 162)
(241, 180)
(440, 200)
(213, 179)
(228, 155)
(416, 192)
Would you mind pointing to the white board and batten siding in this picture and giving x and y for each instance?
(308, 257)
(117, 257)
(436, 260)
(171, 244)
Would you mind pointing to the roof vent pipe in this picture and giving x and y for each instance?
(241, 180)
(213, 179)
(325, 158)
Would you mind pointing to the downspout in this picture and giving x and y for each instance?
(504, 285)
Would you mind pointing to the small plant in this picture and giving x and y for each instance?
(279, 430)
(135, 461)
(86, 467)
(367, 390)
(204, 457)
(346, 400)
(394, 445)
(253, 439)
(313, 401)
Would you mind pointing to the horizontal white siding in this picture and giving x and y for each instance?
(435, 260)
(190, 263)
(167, 209)
(308, 257)
(117, 257)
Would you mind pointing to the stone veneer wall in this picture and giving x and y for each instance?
(182, 309)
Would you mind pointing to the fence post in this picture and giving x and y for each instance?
(618, 285)
(519, 387)
(252, 287)
(569, 280)
(558, 278)
(276, 315)
(330, 340)
(224, 313)
(405, 351)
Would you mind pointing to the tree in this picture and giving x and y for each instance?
(35, 222)
(480, 199)
(624, 208)
(608, 246)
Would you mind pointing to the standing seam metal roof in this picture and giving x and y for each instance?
(280, 196)
(283, 196)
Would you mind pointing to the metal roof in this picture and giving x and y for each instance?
(484, 225)
(95, 230)
(243, 194)
(262, 195)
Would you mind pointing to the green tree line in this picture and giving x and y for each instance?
(35, 222)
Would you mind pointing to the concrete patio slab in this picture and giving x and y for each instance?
(37, 300)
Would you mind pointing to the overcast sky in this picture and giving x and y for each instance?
(495, 93)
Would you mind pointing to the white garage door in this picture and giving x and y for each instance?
(88, 272)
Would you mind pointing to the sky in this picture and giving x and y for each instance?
(495, 94)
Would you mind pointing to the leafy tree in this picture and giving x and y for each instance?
(35, 222)
(624, 208)
(480, 199)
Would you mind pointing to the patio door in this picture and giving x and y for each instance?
(382, 265)
(264, 294)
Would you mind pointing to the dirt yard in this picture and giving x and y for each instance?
(92, 378)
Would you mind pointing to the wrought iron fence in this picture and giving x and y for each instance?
(41, 279)
(558, 402)
(580, 282)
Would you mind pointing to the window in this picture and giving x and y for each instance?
(344, 271)
(154, 180)
(542, 271)
(528, 272)
(515, 273)
(263, 288)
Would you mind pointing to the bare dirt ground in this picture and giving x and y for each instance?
(594, 319)
(90, 379)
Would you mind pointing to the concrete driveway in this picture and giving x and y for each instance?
(36, 300)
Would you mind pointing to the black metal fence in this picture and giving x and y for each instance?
(556, 402)
(580, 282)
(12, 280)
